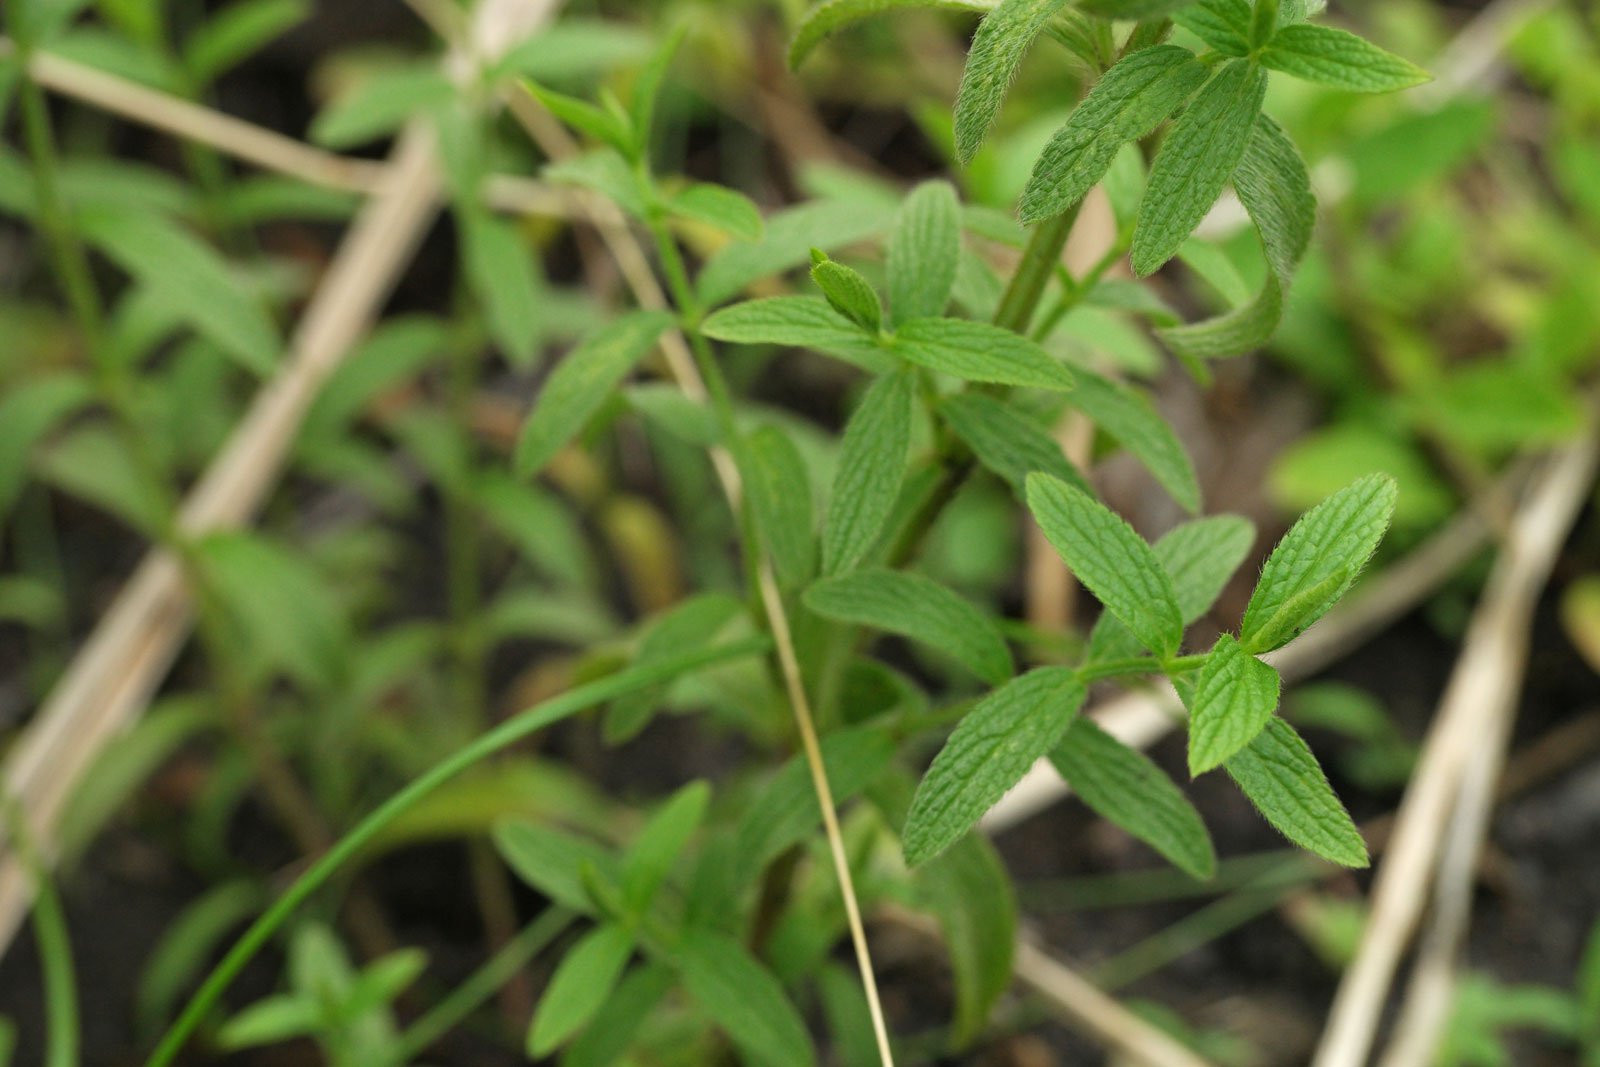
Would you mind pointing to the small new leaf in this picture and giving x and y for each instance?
(987, 754)
(979, 352)
(582, 383)
(1234, 698)
(872, 461)
(1110, 559)
(1284, 781)
(1126, 104)
(920, 609)
(1195, 162)
(924, 252)
(582, 983)
(1333, 57)
(997, 50)
(847, 292)
(1332, 540)
(1125, 787)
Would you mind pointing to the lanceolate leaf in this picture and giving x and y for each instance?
(581, 984)
(659, 843)
(997, 50)
(501, 270)
(715, 205)
(1284, 781)
(743, 997)
(1234, 698)
(872, 461)
(1222, 24)
(1338, 535)
(924, 252)
(1199, 557)
(969, 892)
(1126, 104)
(1111, 560)
(778, 492)
(1127, 788)
(1195, 162)
(987, 754)
(800, 321)
(1334, 57)
(979, 352)
(1006, 441)
(582, 383)
(1135, 424)
(831, 15)
(553, 862)
(920, 609)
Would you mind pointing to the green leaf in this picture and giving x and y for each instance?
(1125, 787)
(790, 236)
(665, 406)
(1242, 330)
(287, 608)
(580, 987)
(969, 892)
(1003, 38)
(602, 171)
(656, 848)
(1234, 698)
(1127, 103)
(582, 384)
(1195, 162)
(29, 411)
(608, 125)
(744, 999)
(229, 35)
(612, 1029)
(1007, 442)
(575, 49)
(1111, 560)
(1133, 421)
(270, 1021)
(689, 624)
(380, 104)
(778, 493)
(502, 275)
(1286, 784)
(785, 810)
(731, 212)
(979, 352)
(553, 862)
(872, 461)
(800, 321)
(1199, 557)
(917, 608)
(988, 753)
(1333, 540)
(190, 277)
(847, 292)
(924, 252)
(94, 464)
(1222, 24)
(1338, 58)
(829, 16)
(1132, 9)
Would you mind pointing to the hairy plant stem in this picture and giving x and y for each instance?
(348, 847)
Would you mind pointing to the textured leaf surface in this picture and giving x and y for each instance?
(778, 492)
(970, 894)
(581, 984)
(744, 999)
(832, 15)
(1125, 787)
(997, 50)
(1126, 104)
(1007, 442)
(1222, 24)
(1199, 557)
(1133, 421)
(1133, 9)
(918, 608)
(1333, 539)
(979, 352)
(1195, 162)
(924, 252)
(1111, 560)
(582, 383)
(1284, 781)
(1338, 58)
(799, 321)
(1234, 698)
(849, 294)
(872, 461)
(988, 753)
